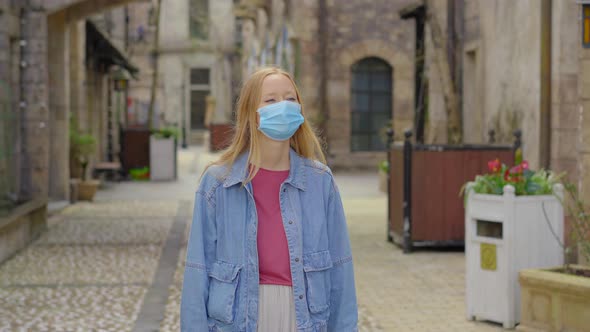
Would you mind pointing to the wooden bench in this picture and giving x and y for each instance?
(112, 169)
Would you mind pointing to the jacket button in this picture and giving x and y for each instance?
(301, 297)
(290, 222)
(297, 259)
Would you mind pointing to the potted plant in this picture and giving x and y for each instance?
(163, 154)
(82, 147)
(558, 299)
(505, 232)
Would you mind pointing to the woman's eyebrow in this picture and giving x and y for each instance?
(274, 94)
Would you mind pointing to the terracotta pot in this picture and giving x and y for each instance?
(74, 187)
(87, 189)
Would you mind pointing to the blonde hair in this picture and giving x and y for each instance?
(304, 141)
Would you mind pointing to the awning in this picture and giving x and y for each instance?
(103, 53)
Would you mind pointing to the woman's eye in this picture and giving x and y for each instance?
(291, 99)
(269, 101)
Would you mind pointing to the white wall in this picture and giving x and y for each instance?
(511, 36)
(180, 53)
(502, 81)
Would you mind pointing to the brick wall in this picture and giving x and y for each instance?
(356, 30)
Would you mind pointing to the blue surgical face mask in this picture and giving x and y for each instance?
(280, 121)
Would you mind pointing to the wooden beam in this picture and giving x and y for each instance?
(78, 10)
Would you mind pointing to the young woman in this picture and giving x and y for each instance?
(268, 249)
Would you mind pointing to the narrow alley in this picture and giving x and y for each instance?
(116, 264)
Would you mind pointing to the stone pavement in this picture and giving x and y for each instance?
(421, 291)
(102, 265)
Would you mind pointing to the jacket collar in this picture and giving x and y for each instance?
(239, 171)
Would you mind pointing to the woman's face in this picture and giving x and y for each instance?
(276, 88)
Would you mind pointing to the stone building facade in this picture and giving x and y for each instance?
(132, 28)
(197, 54)
(517, 64)
(359, 31)
(498, 68)
(353, 61)
(46, 76)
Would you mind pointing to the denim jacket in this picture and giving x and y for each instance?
(221, 280)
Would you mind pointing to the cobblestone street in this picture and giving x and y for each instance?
(108, 265)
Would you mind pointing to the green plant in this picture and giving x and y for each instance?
(142, 173)
(166, 132)
(82, 147)
(579, 222)
(524, 180)
(384, 166)
(527, 182)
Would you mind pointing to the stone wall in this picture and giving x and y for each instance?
(9, 101)
(308, 63)
(436, 125)
(354, 30)
(565, 108)
(474, 127)
(506, 69)
(181, 52)
(59, 105)
(357, 30)
(583, 145)
(35, 139)
(141, 43)
(21, 227)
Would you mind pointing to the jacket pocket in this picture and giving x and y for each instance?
(223, 283)
(316, 267)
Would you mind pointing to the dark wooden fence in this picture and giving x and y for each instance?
(135, 148)
(425, 208)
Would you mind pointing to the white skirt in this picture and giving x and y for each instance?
(276, 309)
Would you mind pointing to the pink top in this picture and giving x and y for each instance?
(273, 251)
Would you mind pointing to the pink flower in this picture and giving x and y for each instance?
(494, 166)
(513, 175)
(516, 169)
(524, 165)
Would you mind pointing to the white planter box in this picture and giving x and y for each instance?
(503, 235)
(162, 158)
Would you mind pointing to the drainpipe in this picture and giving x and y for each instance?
(458, 56)
(545, 130)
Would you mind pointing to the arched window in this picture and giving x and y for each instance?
(371, 108)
